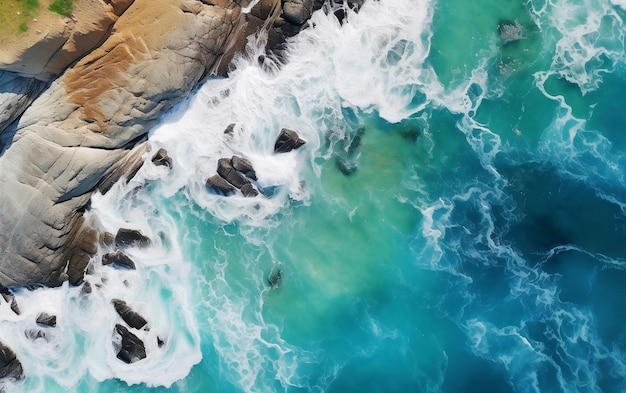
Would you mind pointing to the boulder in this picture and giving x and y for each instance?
(118, 259)
(249, 191)
(132, 318)
(287, 141)
(47, 319)
(297, 11)
(129, 347)
(230, 174)
(220, 186)
(10, 366)
(161, 158)
(243, 166)
(131, 238)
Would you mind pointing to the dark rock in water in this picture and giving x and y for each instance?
(160, 342)
(220, 186)
(86, 289)
(35, 334)
(297, 11)
(230, 129)
(410, 135)
(347, 167)
(230, 174)
(287, 141)
(130, 347)
(275, 278)
(131, 238)
(244, 166)
(107, 239)
(10, 366)
(162, 159)
(118, 259)
(249, 191)
(129, 316)
(47, 319)
(510, 31)
(10, 299)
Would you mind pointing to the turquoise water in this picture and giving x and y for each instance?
(455, 222)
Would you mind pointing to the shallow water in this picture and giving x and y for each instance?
(455, 222)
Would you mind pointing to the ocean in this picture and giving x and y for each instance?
(456, 221)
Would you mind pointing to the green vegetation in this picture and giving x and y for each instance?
(62, 7)
(15, 15)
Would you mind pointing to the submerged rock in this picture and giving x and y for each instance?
(510, 31)
(132, 318)
(10, 366)
(275, 277)
(161, 158)
(131, 238)
(47, 319)
(287, 141)
(118, 259)
(130, 347)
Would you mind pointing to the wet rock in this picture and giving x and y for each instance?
(162, 159)
(35, 334)
(249, 191)
(510, 31)
(244, 166)
(160, 342)
(220, 186)
(10, 299)
(230, 130)
(130, 347)
(275, 277)
(297, 11)
(131, 238)
(118, 259)
(230, 174)
(86, 289)
(10, 366)
(287, 141)
(107, 239)
(47, 319)
(132, 318)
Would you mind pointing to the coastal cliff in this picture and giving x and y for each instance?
(88, 128)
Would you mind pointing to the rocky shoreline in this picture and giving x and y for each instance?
(75, 119)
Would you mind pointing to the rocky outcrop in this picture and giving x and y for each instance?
(46, 319)
(160, 158)
(132, 318)
(129, 347)
(86, 131)
(16, 94)
(131, 238)
(118, 259)
(10, 366)
(287, 141)
(233, 174)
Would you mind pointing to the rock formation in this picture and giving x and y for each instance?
(132, 60)
(129, 347)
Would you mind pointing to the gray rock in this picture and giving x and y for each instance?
(132, 318)
(244, 166)
(510, 31)
(287, 141)
(219, 185)
(10, 366)
(16, 94)
(161, 158)
(118, 259)
(130, 348)
(297, 11)
(47, 319)
(131, 238)
(249, 191)
(230, 174)
(10, 299)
